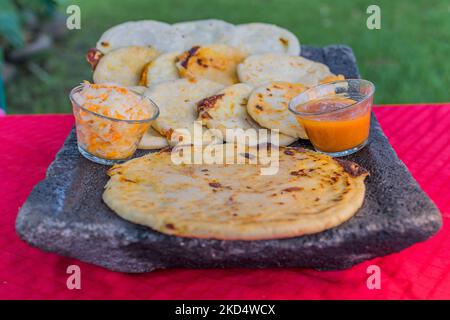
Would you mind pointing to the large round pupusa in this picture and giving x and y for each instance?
(124, 66)
(310, 193)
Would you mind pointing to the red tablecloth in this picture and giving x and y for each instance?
(420, 134)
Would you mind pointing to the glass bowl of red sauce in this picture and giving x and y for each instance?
(336, 115)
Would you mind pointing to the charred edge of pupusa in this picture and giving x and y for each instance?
(127, 180)
(352, 168)
(168, 133)
(247, 155)
(290, 151)
(144, 74)
(93, 57)
(170, 226)
(215, 185)
(284, 42)
(206, 104)
(166, 150)
(293, 189)
(115, 169)
(188, 55)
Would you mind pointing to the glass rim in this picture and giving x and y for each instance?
(293, 103)
(154, 105)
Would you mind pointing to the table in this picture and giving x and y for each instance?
(420, 135)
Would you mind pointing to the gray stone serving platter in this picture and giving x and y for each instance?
(65, 214)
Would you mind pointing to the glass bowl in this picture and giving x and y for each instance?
(108, 140)
(336, 115)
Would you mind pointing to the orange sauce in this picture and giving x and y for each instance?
(339, 130)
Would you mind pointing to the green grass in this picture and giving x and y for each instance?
(408, 59)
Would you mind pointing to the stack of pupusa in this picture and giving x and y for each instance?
(228, 77)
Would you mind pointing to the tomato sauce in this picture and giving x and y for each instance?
(339, 123)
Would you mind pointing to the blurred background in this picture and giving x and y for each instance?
(408, 59)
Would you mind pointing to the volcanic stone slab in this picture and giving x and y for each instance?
(65, 214)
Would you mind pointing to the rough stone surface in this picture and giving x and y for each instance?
(65, 214)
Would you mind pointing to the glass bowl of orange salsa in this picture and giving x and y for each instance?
(110, 121)
(336, 115)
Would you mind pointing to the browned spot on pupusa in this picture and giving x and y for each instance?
(93, 57)
(259, 107)
(284, 42)
(293, 189)
(201, 63)
(247, 155)
(188, 55)
(144, 75)
(354, 169)
(128, 180)
(208, 103)
(205, 115)
(299, 173)
(231, 200)
(215, 185)
(170, 226)
(169, 133)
